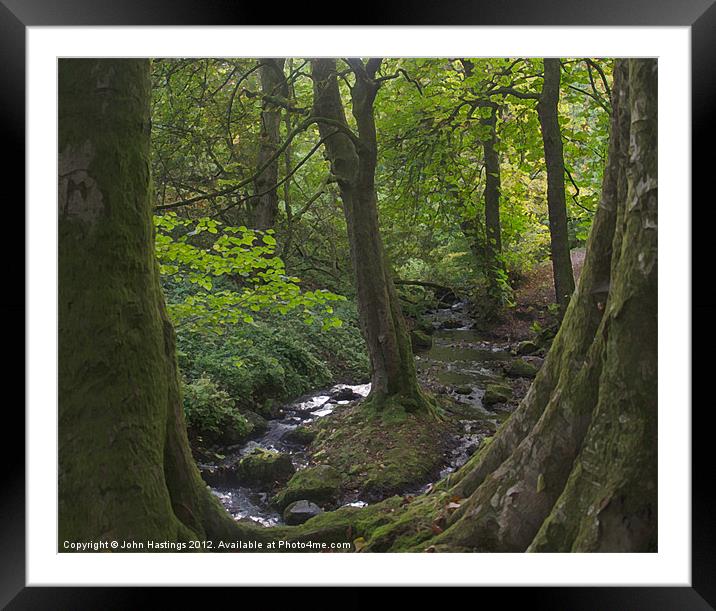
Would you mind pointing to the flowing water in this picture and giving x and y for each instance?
(459, 363)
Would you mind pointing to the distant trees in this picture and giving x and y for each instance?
(547, 109)
(263, 206)
(494, 265)
(353, 158)
(548, 113)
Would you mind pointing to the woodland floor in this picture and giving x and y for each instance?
(534, 293)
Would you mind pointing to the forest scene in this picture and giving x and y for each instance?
(357, 304)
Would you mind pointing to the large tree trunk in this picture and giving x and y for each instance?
(264, 204)
(125, 467)
(556, 200)
(574, 468)
(353, 162)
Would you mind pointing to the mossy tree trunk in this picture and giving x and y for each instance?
(493, 234)
(574, 468)
(125, 467)
(547, 109)
(264, 204)
(353, 162)
(492, 258)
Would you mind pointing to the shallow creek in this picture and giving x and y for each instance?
(459, 363)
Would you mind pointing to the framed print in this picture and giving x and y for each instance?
(388, 294)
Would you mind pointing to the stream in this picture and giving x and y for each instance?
(459, 363)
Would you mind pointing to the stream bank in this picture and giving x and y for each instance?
(327, 437)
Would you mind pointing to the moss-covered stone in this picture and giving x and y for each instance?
(299, 436)
(258, 423)
(420, 340)
(497, 393)
(526, 347)
(264, 467)
(320, 484)
(299, 512)
(519, 368)
(381, 453)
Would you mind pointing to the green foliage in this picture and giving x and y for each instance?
(202, 250)
(277, 358)
(210, 411)
(430, 176)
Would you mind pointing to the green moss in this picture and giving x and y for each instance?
(380, 453)
(301, 435)
(320, 484)
(264, 467)
(420, 340)
(519, 368)
(496, 393)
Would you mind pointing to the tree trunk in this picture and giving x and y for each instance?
(353, 162)
(493, 236)
(125, 467)
(264, 204)
(556, 200)
(574, 468)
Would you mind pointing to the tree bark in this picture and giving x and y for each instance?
(493, 234)
(547, 109)
(264, 204)
(353, 162)
(125, 467)
(574, 468)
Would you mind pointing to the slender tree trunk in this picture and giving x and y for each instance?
(556, 200)
(574, 468)
(264, 204)
(492, 259)
(125, 467)
(353, 162)
(493, 235)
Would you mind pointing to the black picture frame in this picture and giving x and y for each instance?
(17, 15)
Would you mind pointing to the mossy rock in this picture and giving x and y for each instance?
(299, 512)
(264, 467)
(420, 340)
(301, 436)
(519, 368)
(526, 347)
(497, 393)
(463, 389)
(258, 423)
(320, 485)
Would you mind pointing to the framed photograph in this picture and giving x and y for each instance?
(389, 294)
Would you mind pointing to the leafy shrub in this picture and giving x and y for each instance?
(276, 357)
(210, 412)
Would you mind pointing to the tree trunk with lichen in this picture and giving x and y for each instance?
(574, 468)
(264, 204)
(493, 237)
(125, 467)
(547, 109)
(353, 162)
